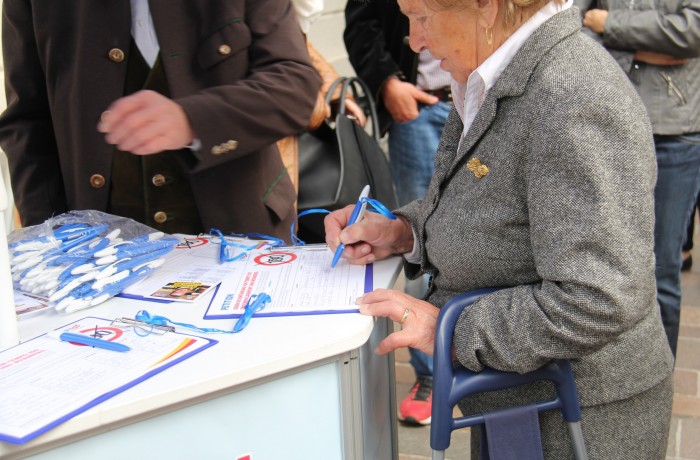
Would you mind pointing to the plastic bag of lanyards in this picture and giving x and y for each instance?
(81, 258)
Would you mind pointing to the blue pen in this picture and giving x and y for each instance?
(84, 253)
(144, 238)
(356, 216)
(96, 296)
(130, 263)
(255, 303)
(82, 237)
(134, 250)
(92, 341)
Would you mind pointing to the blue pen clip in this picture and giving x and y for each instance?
(225, 254)
(255, 303)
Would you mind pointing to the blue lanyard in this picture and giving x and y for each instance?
(376, 206)
(225, 254)
(256, 303)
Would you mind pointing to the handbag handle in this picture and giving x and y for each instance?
(363, 97)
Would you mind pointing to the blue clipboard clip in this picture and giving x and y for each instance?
(142, 327)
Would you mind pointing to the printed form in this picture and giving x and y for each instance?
(299, 280)
(190, 271)
(45, 381)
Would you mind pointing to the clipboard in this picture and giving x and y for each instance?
(299, 280)
(189, 267)
(45, 381)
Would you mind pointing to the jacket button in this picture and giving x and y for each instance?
(217, 150)
(116, 55)
(160, 217)
(158, 180)
(224, 50)
(97, 181)
(232, 145)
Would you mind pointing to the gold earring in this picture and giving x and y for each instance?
(489, 36)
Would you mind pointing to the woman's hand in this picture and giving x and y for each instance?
(323, 111)
(351, 108)
(374, 237)
(417, 317)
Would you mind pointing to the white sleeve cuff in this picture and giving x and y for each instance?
(413, 256)
(195, 145)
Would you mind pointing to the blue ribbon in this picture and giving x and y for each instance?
(224, 255)
(256, 303)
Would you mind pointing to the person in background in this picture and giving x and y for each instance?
(544, 185)
(308, 11)
(164, 112)
(8, 216)
(413, 98)
(657, 44)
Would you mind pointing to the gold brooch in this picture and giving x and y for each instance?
(477, 168)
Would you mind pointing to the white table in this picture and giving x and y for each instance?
(298, 387)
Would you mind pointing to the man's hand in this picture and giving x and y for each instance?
(595, 20)
(401, 99)
(654, 58)
(145, 123)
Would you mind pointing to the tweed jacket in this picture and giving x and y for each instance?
(239, 68)
(563, 218)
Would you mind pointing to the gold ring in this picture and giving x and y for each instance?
(405, 315)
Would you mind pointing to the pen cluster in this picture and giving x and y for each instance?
(83, 258)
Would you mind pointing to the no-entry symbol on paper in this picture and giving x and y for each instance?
(275, 258)
(189, 243)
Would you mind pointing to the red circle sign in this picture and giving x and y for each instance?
(190, 243)
(110, 334)
(275, 258)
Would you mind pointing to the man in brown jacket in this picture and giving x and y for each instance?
(209, 85)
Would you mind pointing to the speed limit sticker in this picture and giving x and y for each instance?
(275, 258)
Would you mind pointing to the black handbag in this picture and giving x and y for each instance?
(338, 159)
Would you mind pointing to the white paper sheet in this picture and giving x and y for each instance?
(44, 381)
(300, 281)
(190, 271)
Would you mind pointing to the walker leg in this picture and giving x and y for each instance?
(438, 455)
(577, 440)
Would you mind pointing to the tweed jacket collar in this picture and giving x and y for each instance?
(512, 82)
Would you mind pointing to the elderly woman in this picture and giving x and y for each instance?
(543, 182)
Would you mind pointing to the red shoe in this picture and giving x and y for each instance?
(417, 406)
